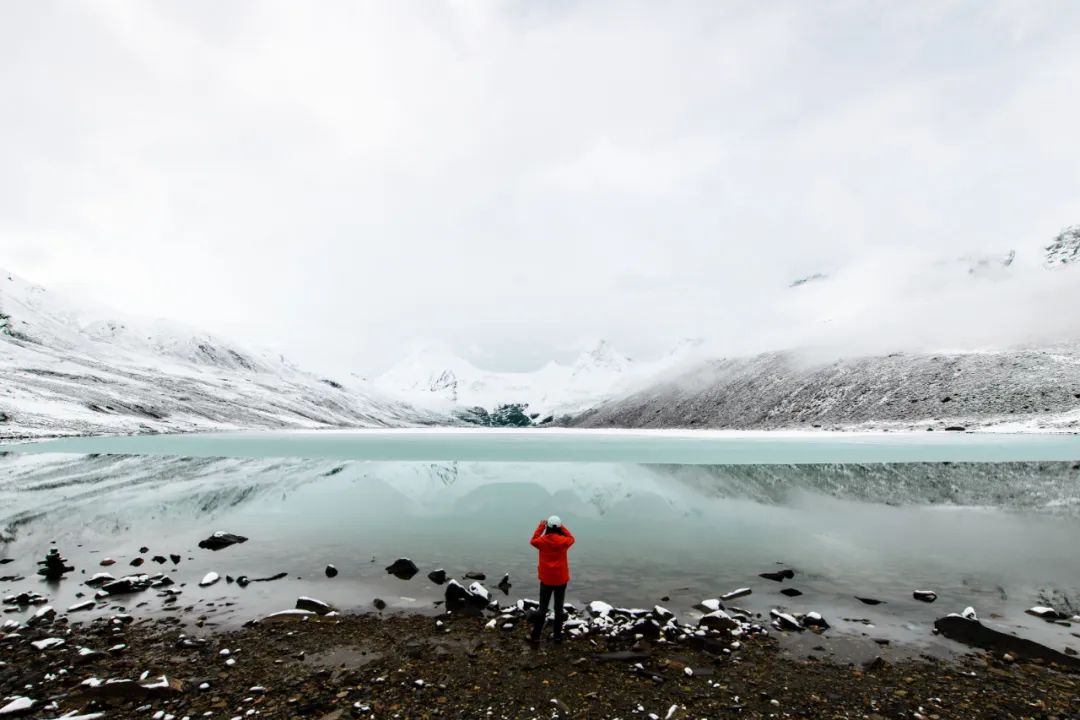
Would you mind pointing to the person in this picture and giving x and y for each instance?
(552, 539)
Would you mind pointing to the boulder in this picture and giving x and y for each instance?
(473, 575)
(437, 576)
(1046, 613)
(778, 576)
(718, 620)
(209, 579)
(814, 620)
(791, 592)
(17, 707)
(126, 585)
(475, 599)
(927, 596)
(785, 621)
(312, 605)
(504, 584)
(221, 540)
(972, 632)
(403, 568)
(599, 608)
(99, 579)
(331, 571)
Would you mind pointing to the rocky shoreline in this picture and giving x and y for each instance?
(111, 655)
(302, 664)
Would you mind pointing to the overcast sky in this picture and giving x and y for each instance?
(344, 180)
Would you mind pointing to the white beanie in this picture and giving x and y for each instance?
(554, 521)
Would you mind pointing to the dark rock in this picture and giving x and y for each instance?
(437, 576)
(175, 559)
(791, 592)
(504, 584)
(379, 604)
(927, 596)
(869, 601)
(53, 566)
(221, 540)
(242, 581)
(99, 579)
(126, 585)
(311, 604)
(272, 578)
(475, 576)
(974, 633)
(137, 562)
(144, 550)
(159, 559)
(459, 598)
(647, 628)
(331, 571)
(718, 620)
(778, 576)
(1047, 613)
(955, 428)
(5, 561)
(814, 620)
(785, 621)
(403, 568)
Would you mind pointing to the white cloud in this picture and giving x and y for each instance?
(339, 179)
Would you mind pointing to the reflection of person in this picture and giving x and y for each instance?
(552, 539)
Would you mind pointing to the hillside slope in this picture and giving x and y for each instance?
(1025, 389)
(69, 368)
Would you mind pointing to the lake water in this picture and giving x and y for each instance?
(983, 520)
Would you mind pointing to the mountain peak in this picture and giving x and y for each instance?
(602, 356)
(1065, 250)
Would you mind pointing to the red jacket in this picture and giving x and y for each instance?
(552, 567)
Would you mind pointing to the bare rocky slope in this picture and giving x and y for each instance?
(1021, 389)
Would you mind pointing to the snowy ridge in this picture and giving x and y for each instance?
(73, 368)
(435, 377)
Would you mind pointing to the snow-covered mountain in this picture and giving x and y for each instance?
(437, 378)
(1026, 385)
(68, 367)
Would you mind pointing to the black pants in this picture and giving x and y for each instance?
(546, 591)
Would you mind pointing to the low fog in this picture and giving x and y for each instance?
(342, 181)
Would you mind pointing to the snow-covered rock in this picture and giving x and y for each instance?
(1065, 249)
